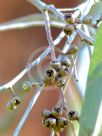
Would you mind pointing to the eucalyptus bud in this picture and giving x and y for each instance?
(56, 111)
(62, 122)
(73, 115)
(51, 73)
(46, 113)
(72, 49)
(56, 65)
(65, 62)
(86, 20)
(26, 86)
(68, 18)
(16, 101)
(60, 82)
(50, 123)
(69, 29)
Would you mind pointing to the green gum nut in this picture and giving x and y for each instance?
(50, 123)
(9, 105)
(62, 122)
(26, 86)
(56, 111)
(46, 113)
(16, 101)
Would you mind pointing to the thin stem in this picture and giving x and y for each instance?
(64, 103)
(10, 84)
(53, 133)
(83, 35)
(30, 21)
(68, 9)
(75, 70)
(28, 110)
(53, 9)
(38, 3)
(42, 6)
(49, 36)
(72, 127)
(91, 49)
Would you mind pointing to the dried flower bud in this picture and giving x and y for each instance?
(56, 111)
(86, 20)
(68, 29)
(73, 115)
(50, 123)
(26, 86)
(72, 49)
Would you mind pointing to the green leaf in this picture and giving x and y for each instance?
(93, 96)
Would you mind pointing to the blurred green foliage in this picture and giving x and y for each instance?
(93, 96)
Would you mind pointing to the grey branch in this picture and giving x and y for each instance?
(28, 110)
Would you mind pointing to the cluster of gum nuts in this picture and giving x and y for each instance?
(59, 69)
(56, 120)
(56, 72)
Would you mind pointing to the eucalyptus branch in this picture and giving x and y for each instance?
(30, 66)
(28, 110)
(49, 36)
(56, 22)
(30, 21)
(42, 6)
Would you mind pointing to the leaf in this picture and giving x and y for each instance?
(93, 96)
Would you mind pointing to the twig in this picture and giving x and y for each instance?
(75, 70)
(39, 4)
(28, 110)
(30, 21)
(8, 85)
(49, 36)
(42, 6)
(85, 37)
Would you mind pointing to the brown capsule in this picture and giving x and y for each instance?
(56, 111)
(87, 20)
(73, 115)
(16, 101)
(51, 73)
(50, 123)
(60, 82)
(13, 103)
(72, 49)
(69, 29)
(68, 18)
(46, 113)
(63, 71)
(62, 122)
(56, 65)
(47, 81)
(65, 62)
